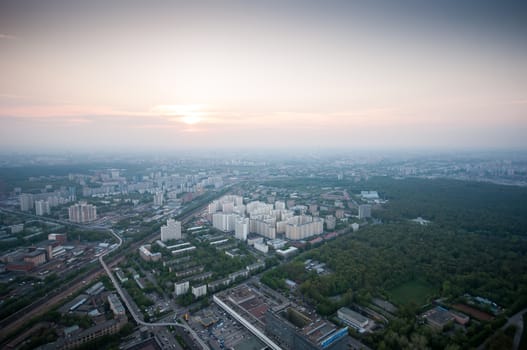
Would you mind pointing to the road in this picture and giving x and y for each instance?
(132, 309)
(47, 303)
(44, 306)
(517, 321)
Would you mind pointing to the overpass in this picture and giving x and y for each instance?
(246, 323)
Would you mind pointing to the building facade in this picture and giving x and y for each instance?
(82, 212)
(171, 231)
(364, 211)
(42, 207)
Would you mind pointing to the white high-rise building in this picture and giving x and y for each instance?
(159, 198)
(242, 229)
(224, 222)
(172, 230)
(303, 226)
(82, 212)
(26, 201)
(181, 288)
(264, 226)
(42, 207)
(364, 211)
(226, 204)
(257, 208)
(331, 222)
(279, 205)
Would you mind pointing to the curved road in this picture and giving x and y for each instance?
(516, 320)
(131, 309)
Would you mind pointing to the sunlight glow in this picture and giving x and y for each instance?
(191, 119)
(188, 114)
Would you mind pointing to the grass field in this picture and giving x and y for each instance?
(414, 291)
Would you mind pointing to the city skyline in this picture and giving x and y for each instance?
(175, 75)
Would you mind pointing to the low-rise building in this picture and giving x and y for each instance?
(277, 243)
(286, 253)
(147, 255)
(352, 318)
(121, 276)
(438, 317)
(36, 257)
(115, 305)
(264, 248)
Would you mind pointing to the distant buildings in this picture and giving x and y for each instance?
(421, 221)
(171, 231)
(331, 222)
(61, 238)
(226, 204)
(16, 228)
(224, 222)
(42, 207)
(364, 211)
(82, 212)
(369, 195)
(159, 198)
(279, 205)
(241, 229)
(303, 226)
(264, 226)
(26, 201)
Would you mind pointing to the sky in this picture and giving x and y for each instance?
(173, 75)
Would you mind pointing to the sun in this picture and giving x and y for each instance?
(191, 119)
(187, 114)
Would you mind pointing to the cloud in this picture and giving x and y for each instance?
(519, 102)
(11, 96)
(7, 36)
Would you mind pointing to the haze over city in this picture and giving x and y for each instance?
(159, 75)
(273, 174)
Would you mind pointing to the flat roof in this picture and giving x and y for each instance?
(353, 315)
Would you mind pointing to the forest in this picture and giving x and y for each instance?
(380, 258)
(459, 205)
(476, 243)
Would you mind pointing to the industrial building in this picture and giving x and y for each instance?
(278, 322)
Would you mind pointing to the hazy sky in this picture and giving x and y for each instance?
(166, 75)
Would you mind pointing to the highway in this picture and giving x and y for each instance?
(128, 304)
(44, 304)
